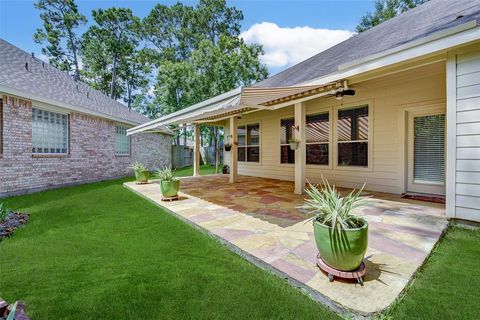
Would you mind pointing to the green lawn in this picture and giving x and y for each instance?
(98, 251)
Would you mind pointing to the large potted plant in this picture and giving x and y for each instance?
(141, 173)
(169, 184)
(341, 237)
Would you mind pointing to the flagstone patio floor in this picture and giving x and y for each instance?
(258, 218)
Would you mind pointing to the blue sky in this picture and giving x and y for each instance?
(289, 30)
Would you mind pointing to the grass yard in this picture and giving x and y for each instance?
(98, 251)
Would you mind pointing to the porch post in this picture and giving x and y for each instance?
(196, 150)
(300, 153)
(234, 150)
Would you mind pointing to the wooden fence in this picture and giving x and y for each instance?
(183, 156)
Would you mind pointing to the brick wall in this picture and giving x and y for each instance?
(91, 156)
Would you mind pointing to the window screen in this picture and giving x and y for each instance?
(352, 137)
(49, 132)
(287, 132)
(248, 138)
(122, 146)
(317, 133)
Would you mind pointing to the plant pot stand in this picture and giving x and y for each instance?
(331, 272)
(174, 198)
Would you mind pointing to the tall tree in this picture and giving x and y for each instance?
(385, 10)
(199, 53)
(109, 45)
(60, 21)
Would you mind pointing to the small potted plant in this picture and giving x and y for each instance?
(169, 184)
(293, 144)
(141, 173)
(341, 237)
(225, 169)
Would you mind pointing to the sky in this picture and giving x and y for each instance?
(289, 30)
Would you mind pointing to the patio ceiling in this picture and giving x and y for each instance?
(241, 101)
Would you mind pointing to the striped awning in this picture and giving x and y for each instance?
(240, 101)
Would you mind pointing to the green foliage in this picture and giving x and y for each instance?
(139, 167)
(111, 61)
(166, 174)
(60, 20)
(13, 310)
(385, 10)
(198, 53)
(4, 211)
(331, 209)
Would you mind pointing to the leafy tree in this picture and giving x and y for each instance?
(109, 46)
(385, 10)
(60, 21)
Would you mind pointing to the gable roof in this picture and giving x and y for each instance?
(417, 23)
(41, 81)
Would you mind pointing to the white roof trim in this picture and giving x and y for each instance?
(442, 41)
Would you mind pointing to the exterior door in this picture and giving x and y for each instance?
(426, 151)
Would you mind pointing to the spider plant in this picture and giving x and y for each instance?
(139, 167)
(4, 211)
(166, 174)
(331, 209)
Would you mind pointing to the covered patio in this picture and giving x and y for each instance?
(258, 219)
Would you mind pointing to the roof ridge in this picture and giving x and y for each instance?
(67, 82)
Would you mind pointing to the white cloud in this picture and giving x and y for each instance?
(286, 46)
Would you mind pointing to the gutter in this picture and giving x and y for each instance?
(19, 93)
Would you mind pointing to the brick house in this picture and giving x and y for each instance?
(55, 131)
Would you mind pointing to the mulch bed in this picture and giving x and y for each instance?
(11, 223)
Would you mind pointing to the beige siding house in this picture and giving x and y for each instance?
(396, 107)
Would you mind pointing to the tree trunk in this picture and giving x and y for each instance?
(114, 77)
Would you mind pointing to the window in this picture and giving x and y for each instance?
(122, 141)
(49, 132)
(317, 132)
(352, 137)
(248, 138)
(287, 129)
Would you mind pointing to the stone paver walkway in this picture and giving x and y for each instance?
(258, 218)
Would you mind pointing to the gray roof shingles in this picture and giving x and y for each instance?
(417, 23)
(46, 81)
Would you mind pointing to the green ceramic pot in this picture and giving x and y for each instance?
(343, 250)
(169, 188)
(141, 176)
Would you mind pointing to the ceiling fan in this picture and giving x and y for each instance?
(342, 92)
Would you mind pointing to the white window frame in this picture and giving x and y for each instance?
(329, 143)
(67, 149)
(370, 141)
(128, 139)
(247, 145)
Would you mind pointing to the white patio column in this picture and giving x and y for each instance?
(196, 150)
(300, 153)
(234, 150)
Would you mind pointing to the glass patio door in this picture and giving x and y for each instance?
(426, 163)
